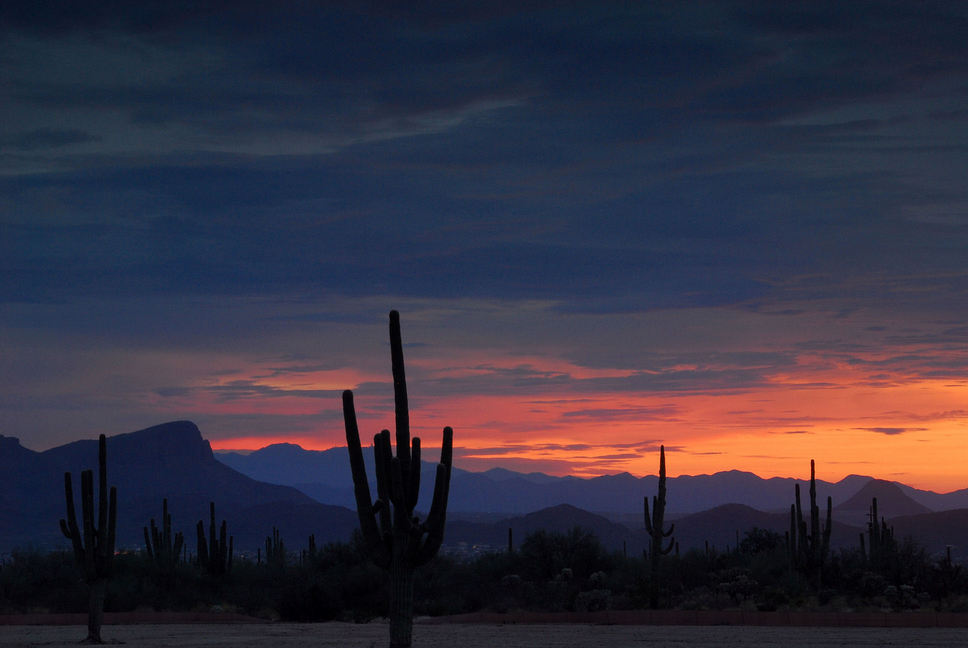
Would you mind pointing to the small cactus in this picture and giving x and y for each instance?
(276, 549)
(163, 549)
(808, 551)
(214, 555)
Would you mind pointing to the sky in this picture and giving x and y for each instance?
(738, 229)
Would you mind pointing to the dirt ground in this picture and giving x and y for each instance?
(291, 635)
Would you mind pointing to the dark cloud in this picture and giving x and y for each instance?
(46, 138)
(891, 431)
(631, 413)
(251, 389)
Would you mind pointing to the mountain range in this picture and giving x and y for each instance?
(325, 476)
(305, 492)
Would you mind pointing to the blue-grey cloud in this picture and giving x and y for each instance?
(891, 431)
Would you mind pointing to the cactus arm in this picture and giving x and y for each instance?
(437, 518)
(648, 521)
(413, 488)
(69, 527)
(438, 506)
(361, 488)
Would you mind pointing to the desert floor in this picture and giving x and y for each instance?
(291, 635)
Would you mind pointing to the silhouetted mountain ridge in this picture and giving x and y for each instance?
(169, 460)
(324, 475)
(891, 501)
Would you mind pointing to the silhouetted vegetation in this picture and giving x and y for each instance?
(549, 572)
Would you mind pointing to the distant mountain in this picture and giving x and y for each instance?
(935, 531)
(561, 519)
(325, 476)
(723, 525)
(891, 502)
(170, 460)
(937, 501)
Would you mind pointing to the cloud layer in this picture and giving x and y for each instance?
(724, 227)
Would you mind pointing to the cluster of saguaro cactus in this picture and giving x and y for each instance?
(808, 550)
(657, 534)
(881, 539)
(161, 546)
(275, 550)
(394, 537)
(214, 555)
(93, 545)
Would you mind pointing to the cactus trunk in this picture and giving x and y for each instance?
(401, 602)
(95, 610)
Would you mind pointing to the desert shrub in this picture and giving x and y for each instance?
(593, 600)
(36, 581)
(544, 554)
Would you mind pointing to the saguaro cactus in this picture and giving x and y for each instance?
(809, 551)
(94, 546)
(159, 544)
(214, 556)
(394, 537)
(276, 549)
(882, 543)
(654, 527)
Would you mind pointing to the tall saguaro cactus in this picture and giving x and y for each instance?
(394, 537)
(94, 545)
(809, 550)
(654, 527)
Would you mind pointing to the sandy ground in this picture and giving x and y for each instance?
(291, 635)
